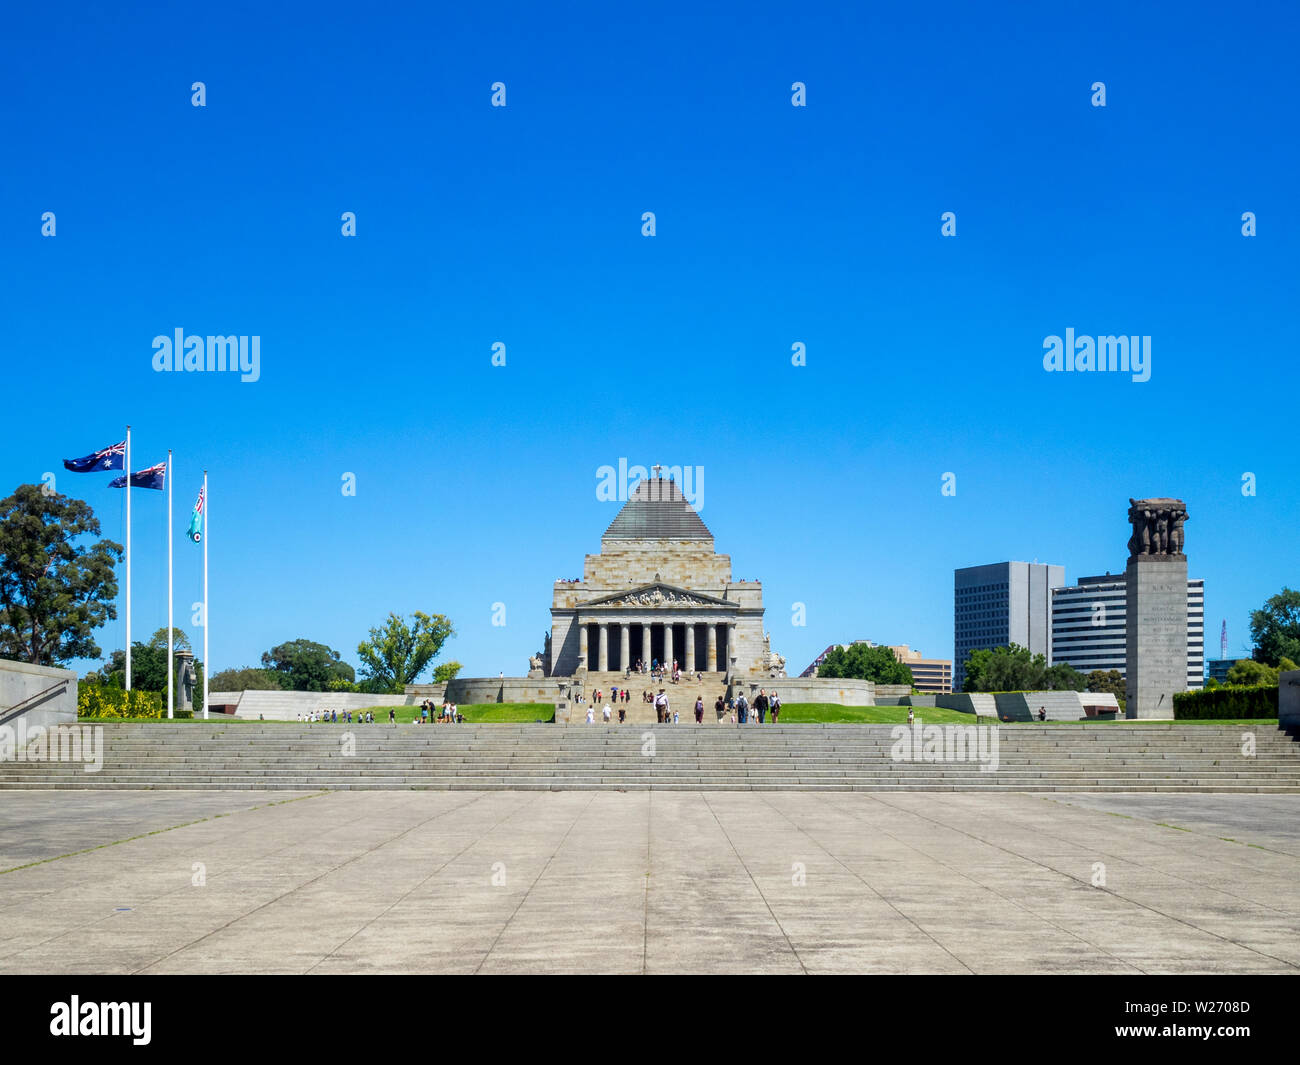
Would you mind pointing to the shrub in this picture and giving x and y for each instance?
(111, 703)
(1213, 704)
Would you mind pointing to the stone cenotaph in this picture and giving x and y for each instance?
(1156, 609)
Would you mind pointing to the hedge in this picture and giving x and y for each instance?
(110, 703)
(1228, 702)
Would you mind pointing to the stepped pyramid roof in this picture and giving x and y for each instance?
(657, 511)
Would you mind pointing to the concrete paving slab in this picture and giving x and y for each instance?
(637, 882)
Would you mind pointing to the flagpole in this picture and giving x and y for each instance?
(170, 694)
(206, 527)
(127, 461)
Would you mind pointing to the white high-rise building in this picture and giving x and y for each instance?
(1088, 626)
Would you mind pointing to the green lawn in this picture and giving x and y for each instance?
(477, 713)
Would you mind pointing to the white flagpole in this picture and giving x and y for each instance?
(127, 462)
(170, 694)
(207, 531)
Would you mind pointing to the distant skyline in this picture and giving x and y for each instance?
(775, 226)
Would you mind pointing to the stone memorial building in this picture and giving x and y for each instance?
(657, 592)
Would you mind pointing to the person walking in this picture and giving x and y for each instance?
(720, 708)
(742, 709)
(760, 706)
(774, 704)
(699, 709)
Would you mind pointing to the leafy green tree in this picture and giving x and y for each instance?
(149, 667)
(878, 664)
(148, 663)
(1063, 677)
(180, 641)
(54, 591)
(1013, 668)
(1106, 681)
(399, 651)
(249, 678)
(445, 672)
(1248, 673)
(1275, 629)
(1109, 681)
(306, 666)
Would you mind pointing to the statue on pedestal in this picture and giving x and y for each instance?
(1157, 528)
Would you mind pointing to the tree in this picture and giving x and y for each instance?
(1275, 629)
(54, 592)
(1248, 673)
(445, 672)
(398, 652)
(1107, 681)
(1013, 669)
(148, 662)
(305, 666)
(180, 641)
(1063, 677)
(249, 678)
(149, 667)
(877, 664)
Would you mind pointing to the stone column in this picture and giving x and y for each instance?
(1155, 609)
(604, 646)
(668, 645)
(645, 644)
(731, 646)
(690, 647)
(713, 646)
(582, 644)
(624, 646)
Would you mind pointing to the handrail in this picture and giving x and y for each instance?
(32, 700)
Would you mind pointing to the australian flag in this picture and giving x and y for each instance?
(111, 458)
(153, 477)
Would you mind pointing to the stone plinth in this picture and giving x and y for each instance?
(1156, 633)
(1288, 699)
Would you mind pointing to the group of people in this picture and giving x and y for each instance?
(737, 708)
(658, 670)
(447, 714)
(331, 717)
(743, 712)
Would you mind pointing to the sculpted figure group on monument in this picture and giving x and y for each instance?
(1157, 527)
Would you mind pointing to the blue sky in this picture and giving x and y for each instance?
(775, 225)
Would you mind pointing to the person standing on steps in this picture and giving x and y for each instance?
(699, 709)
(392, 716)
(760, 706)
(720, 708)
(742, 709)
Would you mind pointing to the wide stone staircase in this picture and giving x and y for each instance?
(290, 756)
(681, 696)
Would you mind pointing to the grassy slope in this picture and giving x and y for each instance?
(479, 713)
